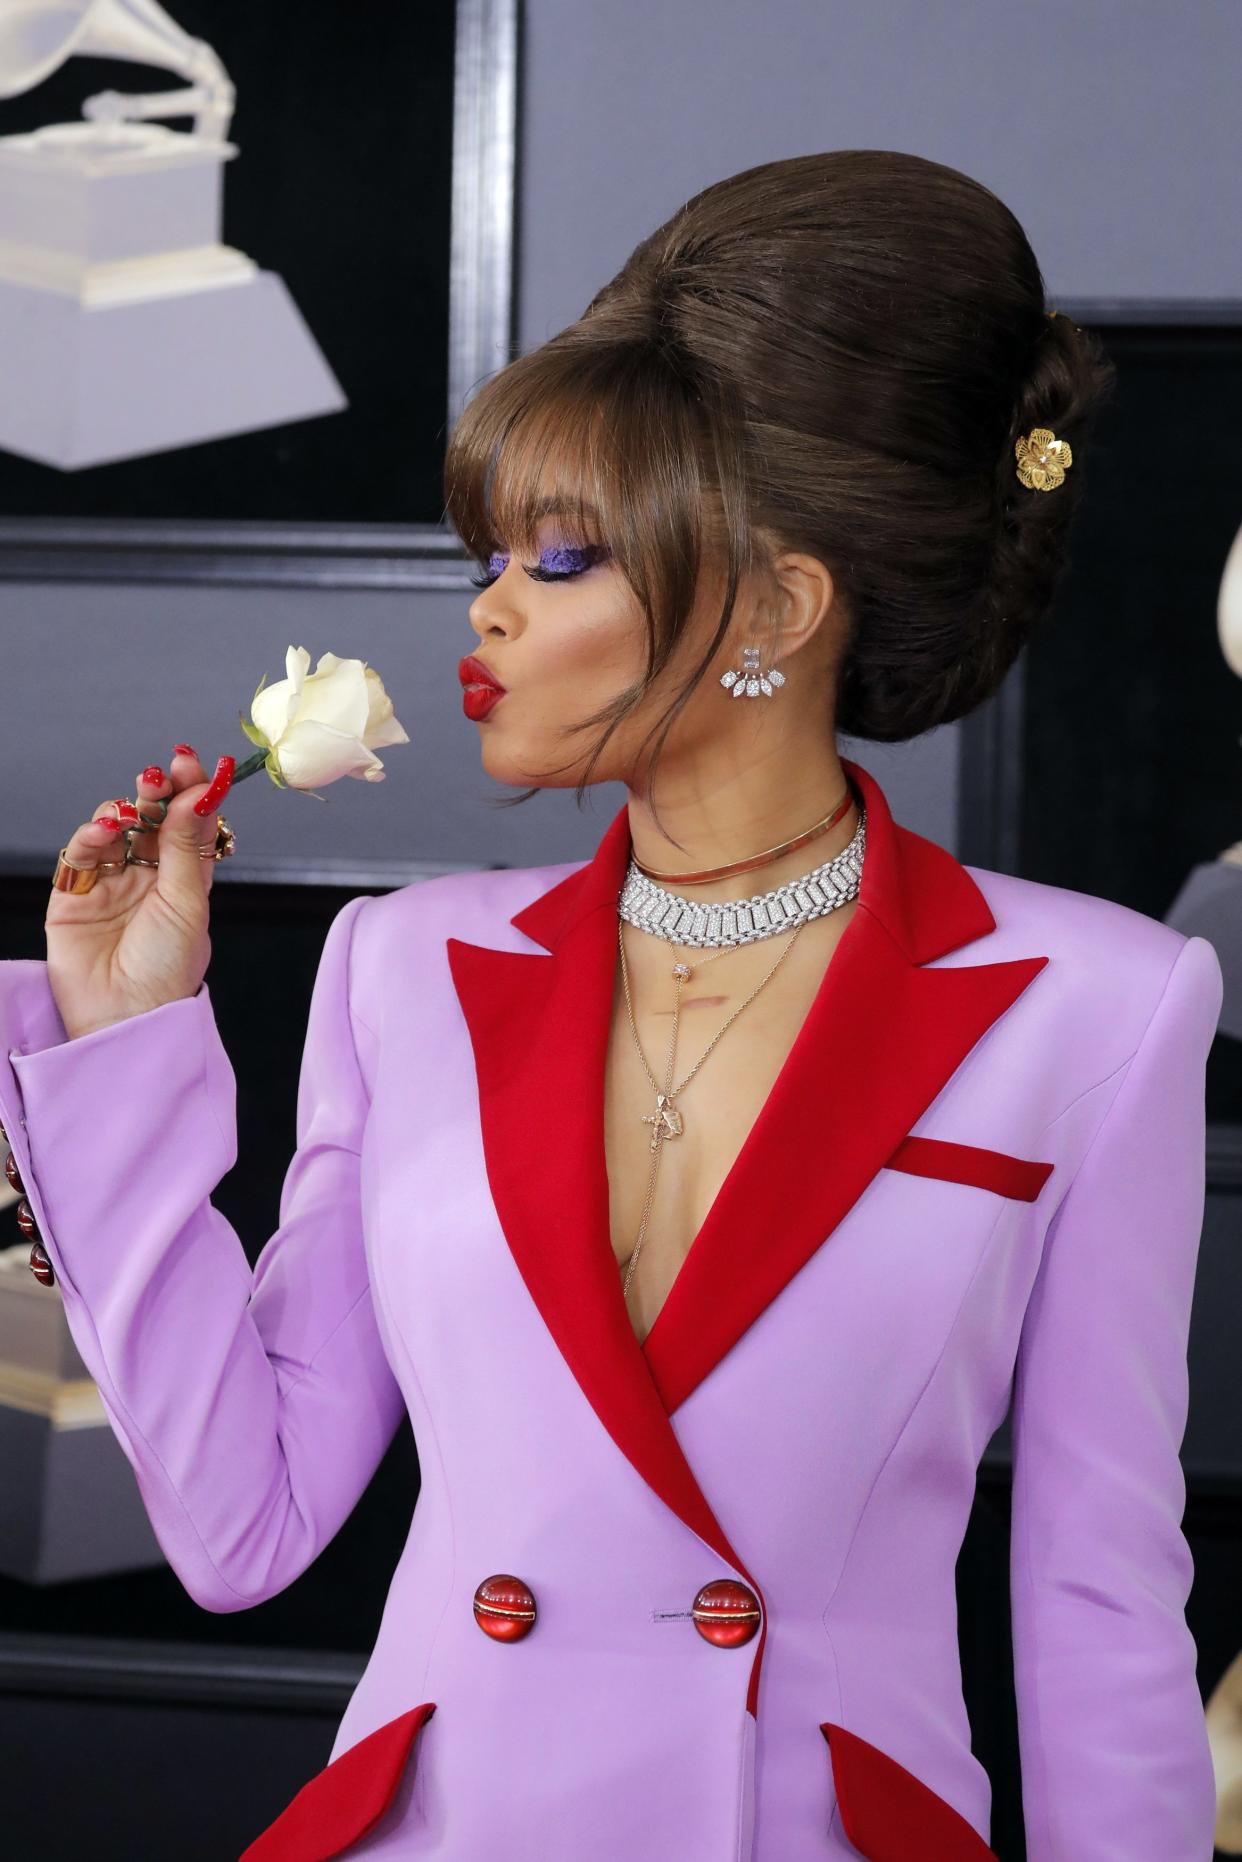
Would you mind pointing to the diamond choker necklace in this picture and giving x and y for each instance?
(708, 925)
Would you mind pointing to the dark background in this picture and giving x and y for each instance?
(342, 185)
(1132, 759)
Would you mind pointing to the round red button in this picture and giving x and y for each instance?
(41, 1267)
(10, 1171)
(726, 1613)
(26, 1221)
(504, 1607)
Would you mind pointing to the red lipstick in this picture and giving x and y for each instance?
(481, 689)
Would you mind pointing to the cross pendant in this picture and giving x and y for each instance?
(666, 1120)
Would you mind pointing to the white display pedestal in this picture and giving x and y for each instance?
(126, 327)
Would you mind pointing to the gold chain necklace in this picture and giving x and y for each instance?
(666, 1121)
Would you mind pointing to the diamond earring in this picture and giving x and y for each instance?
(750, 680)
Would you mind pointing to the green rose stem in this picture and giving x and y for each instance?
(249, 767)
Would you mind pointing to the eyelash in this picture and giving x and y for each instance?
(536, 575)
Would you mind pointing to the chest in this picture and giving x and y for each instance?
(728, 1054)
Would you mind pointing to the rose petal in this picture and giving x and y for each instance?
(335, 695)
(382, 726)
(271, 709)
(390, 733)
(311, 754)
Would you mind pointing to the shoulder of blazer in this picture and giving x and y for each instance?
(399, 939)
(1110, 961)
(476, 906)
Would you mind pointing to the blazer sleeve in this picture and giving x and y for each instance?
(1115, 1757)
(253, 1407)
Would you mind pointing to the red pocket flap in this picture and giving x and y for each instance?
(1019, 1177)
(890, 1815)
(344, 1800)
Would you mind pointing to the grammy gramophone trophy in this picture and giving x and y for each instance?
(1209, 902)
(126, 326)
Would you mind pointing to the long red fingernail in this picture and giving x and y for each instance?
(110, 822)
(184, 750)
(153, 774)
(219, 787)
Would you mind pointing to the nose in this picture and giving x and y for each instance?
(490, 613)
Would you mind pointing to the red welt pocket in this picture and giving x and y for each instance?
(890, 1815)
(343, 1801)
(1019, 1177)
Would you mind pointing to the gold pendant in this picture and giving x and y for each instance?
(666, 1120)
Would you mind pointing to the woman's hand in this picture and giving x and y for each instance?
(139, 937)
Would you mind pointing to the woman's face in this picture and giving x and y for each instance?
(563, 633)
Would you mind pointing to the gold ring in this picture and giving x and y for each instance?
(223, 844)
(71, 878)
(220, 848)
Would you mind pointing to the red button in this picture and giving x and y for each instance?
(726, 1613)
(10, 1171)
(504, 1607)
(26, 1221)
(41, 1267)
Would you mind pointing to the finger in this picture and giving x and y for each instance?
(97, 842)
(186, 835)
(185, 767)
(153, 784)
(102, 841)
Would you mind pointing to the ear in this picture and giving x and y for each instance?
(803, 601)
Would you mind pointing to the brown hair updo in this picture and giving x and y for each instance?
(834, 353)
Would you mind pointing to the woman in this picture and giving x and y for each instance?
(698, 1432)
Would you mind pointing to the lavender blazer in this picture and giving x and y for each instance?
(979, 1173)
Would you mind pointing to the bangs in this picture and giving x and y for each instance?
(606, 437)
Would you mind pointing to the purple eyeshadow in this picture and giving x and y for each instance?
(567, 561)
(560, 560)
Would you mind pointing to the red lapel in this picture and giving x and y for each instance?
(881, 1039)
(890, 1815)
(346, 1799)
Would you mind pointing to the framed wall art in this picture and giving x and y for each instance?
(252, 261)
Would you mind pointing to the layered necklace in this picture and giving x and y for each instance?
(722, 926)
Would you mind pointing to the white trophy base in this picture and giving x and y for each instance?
(86, 382)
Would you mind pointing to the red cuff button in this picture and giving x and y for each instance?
(41, 1267)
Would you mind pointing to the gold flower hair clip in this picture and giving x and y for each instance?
(1042, 459)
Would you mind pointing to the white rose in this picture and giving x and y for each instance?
(323, 724)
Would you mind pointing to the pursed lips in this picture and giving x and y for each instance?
(474, 675)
